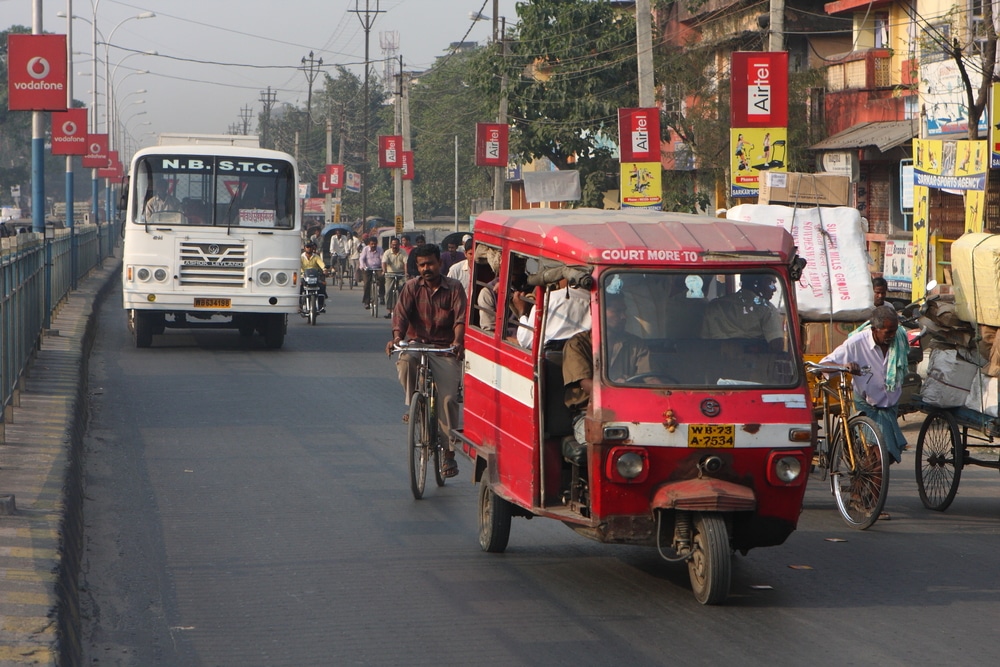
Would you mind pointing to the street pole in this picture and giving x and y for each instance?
(311, 73)
(776, 36)
(95, 206)
(367, 22)
(328, 202)
(37, 144)
(644, 53)
(498, 174)
(405, 128)
(397, 174)
(69, 158)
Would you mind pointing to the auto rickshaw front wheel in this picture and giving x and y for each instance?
(711, 564)
(494, 518)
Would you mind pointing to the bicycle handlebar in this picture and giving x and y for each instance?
(812, 367)
(416, 347)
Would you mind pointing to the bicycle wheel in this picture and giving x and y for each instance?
(860, 490)
(418, 443)
(373, 295)
(390, 298)
(940, 452)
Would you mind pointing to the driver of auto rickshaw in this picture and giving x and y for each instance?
(628, 356)
(746, 314)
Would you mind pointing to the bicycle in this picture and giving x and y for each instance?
(338, 269)
(371, 287)
(393, 284)
(851, 448)
(423, 439)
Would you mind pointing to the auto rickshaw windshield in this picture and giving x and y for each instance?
(696, 329)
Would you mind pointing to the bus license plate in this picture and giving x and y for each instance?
(711, 435)
(212, 303)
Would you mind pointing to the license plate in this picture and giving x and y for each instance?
(212, 303)
(711, 435)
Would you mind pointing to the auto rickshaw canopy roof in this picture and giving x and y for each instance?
(594, 236)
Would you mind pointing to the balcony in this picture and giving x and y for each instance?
(860, 70)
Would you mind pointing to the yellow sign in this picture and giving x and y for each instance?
(399, 224)
(753, 150)
(642, 185)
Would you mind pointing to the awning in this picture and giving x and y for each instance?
(884, 135)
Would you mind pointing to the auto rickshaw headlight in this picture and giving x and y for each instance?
(785, 469)
(627, 465)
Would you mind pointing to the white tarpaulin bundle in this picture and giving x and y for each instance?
(544, 186)
(836, 283)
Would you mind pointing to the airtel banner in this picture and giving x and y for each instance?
(97, 151)
(759, 83)
(335, 175)
(639, 135)
(324, 187)
(36, 66)
(491, 145)
(390, 151)
(407, 167)
(69, 132)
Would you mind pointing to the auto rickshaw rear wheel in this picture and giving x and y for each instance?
(494, 518)
(711, 564)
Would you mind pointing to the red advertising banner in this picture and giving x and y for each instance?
(759, 89)
(97, 151)
(491, 145)
(407, 167)
(113, 170)
(69, 132)
(324, 187)
(36, 67)
(335, 175)
(639, 135)
(390, 151)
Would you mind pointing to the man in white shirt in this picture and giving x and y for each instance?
(567, 314)
(339, 251)
(460, 270)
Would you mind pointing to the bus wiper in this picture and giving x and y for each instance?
(229, 218)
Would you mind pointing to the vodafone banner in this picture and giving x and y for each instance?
(491, 145)
(390, 151)
(407, 167)
(69, 132)
(114, 168)
(759, 82)
(639, 135)
(36, 67)
(335, 176)
(97, 151)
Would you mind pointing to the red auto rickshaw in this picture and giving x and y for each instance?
(697, 436)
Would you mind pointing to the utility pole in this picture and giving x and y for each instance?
(498, 174)
(776, 35)
(644, 46)
(404, 82)
(397, 174)
(246, 113)
(267, 98)
(310, 66)
(328, 203)
(366, 23)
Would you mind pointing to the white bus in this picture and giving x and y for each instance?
(211, 240)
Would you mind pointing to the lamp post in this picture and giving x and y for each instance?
(498, 173)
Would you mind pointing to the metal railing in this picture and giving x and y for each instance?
(36, 275)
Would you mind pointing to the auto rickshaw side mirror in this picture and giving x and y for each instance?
(795, 269)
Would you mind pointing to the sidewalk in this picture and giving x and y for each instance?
(41, 494)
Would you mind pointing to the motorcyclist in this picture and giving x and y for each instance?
(310, 259)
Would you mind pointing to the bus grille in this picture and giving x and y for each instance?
(213, 264)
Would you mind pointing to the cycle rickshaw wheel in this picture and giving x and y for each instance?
(940, 450)
(860, 492)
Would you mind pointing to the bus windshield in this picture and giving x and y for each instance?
(214, 191)
(696, 328)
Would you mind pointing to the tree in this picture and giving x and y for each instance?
(570, 65)
(442, 107)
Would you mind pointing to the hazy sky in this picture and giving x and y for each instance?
(214, 57)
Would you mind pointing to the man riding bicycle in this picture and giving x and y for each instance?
(431, 309)
(340, 248)
(370, 263)
(394, 268)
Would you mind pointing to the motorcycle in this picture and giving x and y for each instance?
(310, 298)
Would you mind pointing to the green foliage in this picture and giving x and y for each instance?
(570, 65)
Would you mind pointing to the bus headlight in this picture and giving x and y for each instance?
(142, 274)
(160, 275)
(627, 465)
(281, 278)
(264, 278)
